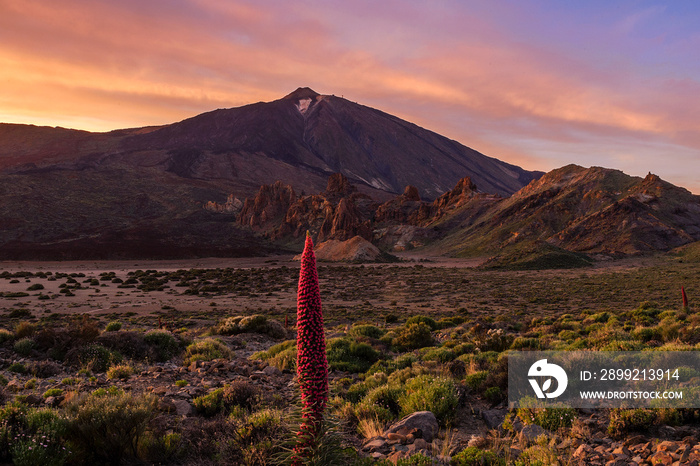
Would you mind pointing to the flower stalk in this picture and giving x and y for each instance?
(312, 366)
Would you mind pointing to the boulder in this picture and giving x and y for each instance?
(425, 421)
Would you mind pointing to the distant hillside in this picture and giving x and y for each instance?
(590, 210)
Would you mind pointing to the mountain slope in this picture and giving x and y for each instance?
(318, 135)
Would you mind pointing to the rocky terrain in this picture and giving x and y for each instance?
(567, 218)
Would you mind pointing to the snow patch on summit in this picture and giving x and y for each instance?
(303, 105)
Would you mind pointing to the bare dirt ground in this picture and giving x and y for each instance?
(417, 285)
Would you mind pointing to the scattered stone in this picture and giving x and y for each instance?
(531, 432)
(183, 407)
(493, 417)
(396, 436)
(272, 371)
(378, 445)
(477, 441)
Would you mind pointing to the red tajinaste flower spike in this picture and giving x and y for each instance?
(685, 298)
(312, 366)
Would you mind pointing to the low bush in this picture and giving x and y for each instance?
(24, 329)
(624, 421)
(120, 371)
(206, 350)
(282, 355)
(5, 336)
(429, 393)
(413, 336)
(529, 343)
(33, 436)
(257, 323)
(106, 425)
(53, 392)
(443, 355)
(93, 357)
(473, 456)
(18, 368)
(24, 346)
(164, 344)
(240, 393)
(388, 366)
(553, 418)
(369, 331)
(44, 369)
(127, 343)
(345, 354)
(113, 326)
(385, 396)
(429, 321)
(210, 404)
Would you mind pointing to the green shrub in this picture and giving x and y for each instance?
(522, 342)
(257, 323)
(18, 368)
(548, 418)
(35, 287)
(417, 459)
(385, 396)
(413, 336)
(181, 383)
(163, 342)
(113, 326)
(369, 331)
(210, 404)
(24, 329)
(206, 350)
(646, 334)
(493, 395)
(6, 335)
(121, 371)
(476, 380)
(473, 456)
(345, 354)
(32, 437)
(94, 357)
(388, 366)
(24, 346)
(623, 421)
(442, 355)
(428, 393)
(240, 393)
(53, 392)
(568, 335)
(430, 322)
(106, 425)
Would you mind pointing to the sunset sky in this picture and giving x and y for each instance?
(538, 83)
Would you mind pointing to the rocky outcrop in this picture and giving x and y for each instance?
(339, 186)
(405, 209)
(345, 222)
(339, 213)
(356, 249)
(462, 192)
(269, 205)
(233, 205)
